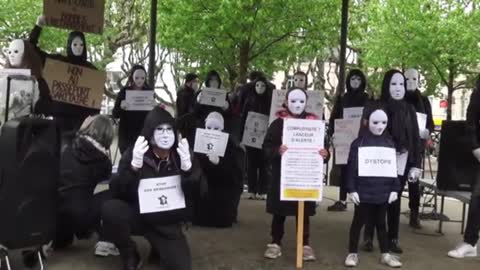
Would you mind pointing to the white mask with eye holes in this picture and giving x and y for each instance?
(377, 123)
(297, 101)
(15, 52)
(214, 83)
(299, 81)
(260, 87)
(412, 79)
(355, 82)
(214, 121)
(397, 86)
(164, 136)
(77, 46)
(139, 78)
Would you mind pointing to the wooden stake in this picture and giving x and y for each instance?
(300, 221)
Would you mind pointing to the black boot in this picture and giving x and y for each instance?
(415, 220)
(131, 259)
(394, 247)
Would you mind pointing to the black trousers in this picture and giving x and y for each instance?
(343, 183)
(375, 214)
(121, 221)
(473, 222)
(256, 171)
(278, 229)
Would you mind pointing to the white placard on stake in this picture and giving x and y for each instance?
(402, 163)
(346, 131)
(255, 130)
(377, 162)
(160, 194)
(210, 142)
(314, 103)
(139, 100)
(353, 113)
(213, 97)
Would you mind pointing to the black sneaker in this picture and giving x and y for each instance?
(131, 259)
(394, 247)
(337, 207)
(415, 221)
(368, 246)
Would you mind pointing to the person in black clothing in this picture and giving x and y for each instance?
(186, 95)
(131, 122)
(403, 128)
(469, 246)
(370, 194)
(355, 97)
(249, 88)
(213, 80)
(158, 153)
(300, 80)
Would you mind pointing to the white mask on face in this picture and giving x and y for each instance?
(15, 52)
(297, 101)
(299, 81)
(214, 83)
(164, 137)
(397, 86)
(139, 78)
(77, 46)
(355, 82)
(411, 76)
(260, 88)
(378, 122)
(214, 121)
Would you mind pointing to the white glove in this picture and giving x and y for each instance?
(183, 151)
(425, 134)
(476, 153)
(214, 159)
(139, 150)
(41, 21)
(393, 197)
(414, 174)
(354, 197)
(124, 105)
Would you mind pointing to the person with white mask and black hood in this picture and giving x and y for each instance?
(131, 122)
(158, 153)
(403, 128)
(354, 97)
(296, 101)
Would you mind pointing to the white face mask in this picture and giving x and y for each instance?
(214, 121)
(297, 101)
(397, 86)
(214, 83)
(77, 46)
(164, 136)
(411, 76)
(15, 52)
(299, 81)
(378, 122)
(355, 82)
(139, 78)
(260, 88)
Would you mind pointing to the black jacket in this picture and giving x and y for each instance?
(421, 105)
(257, 103)
(185, 101)
(473, 129)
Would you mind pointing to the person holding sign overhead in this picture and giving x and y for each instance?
(273, 148)
(372, 182)
(131, 119)
(152, 195)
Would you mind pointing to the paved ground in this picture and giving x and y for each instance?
(242, 247)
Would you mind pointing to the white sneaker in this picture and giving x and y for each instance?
(105, 249)
(351, 260)
(273, 251)
(308, 254)
(252, 196)
(463, 250)
(390, 260)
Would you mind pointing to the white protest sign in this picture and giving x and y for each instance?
(302, 165)
(353, 113)
(377, 162)
(315, 103)
(139, 100)
(402, 163)
(160, 194)
(213, 97)
(210, 142)
(255, 130)
(346, 131)
(14, 71)
(422, 121)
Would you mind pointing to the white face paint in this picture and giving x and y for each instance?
(77, 46)
(397, 86)
(139, 78)
(378, 122)
(260, 87)
(214, 83)
(164, 137)
(15, 52)
(412, 77)
(297, 101)
(299, 81)
(355, 82)
(214, 121)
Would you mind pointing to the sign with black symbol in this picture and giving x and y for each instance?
(255, 130)
(160, 194)
(210, 142)
(213, 97)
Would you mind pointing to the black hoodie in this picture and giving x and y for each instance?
(211, 75)
(257, 103)
(125, 185)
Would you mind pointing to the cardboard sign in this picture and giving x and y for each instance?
(346, 131)
(255, 130)
(139, 100)
(81, 15)
(353, 113)
(377, 162)
(74, 84)
(315, 103)
(160, 194)
(210, 142)
(302, 166)
(213, 97)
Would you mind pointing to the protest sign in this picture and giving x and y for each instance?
(402, 163)
(139, 100)
(255, 130)
(160, 194)
(377, 162)
(422, 121)
(213, 97)
(314, 103)
(81, 15)
(210, 142)
(346, 131)
(353, 113)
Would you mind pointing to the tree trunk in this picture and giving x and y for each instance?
(244, 61)
(449, 100)
(450, 87)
